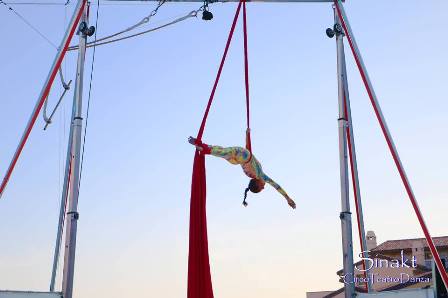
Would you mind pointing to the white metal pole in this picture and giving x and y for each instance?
(387, 135)
(63, 201)
(63, 207)
(72, 214)
(354, 168)
(345, 215)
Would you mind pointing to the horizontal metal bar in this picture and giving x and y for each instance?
(29, 294)
(222, 1)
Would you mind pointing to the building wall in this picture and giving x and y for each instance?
(384, 273)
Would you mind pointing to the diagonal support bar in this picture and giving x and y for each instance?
(45, 89)
(388, 137)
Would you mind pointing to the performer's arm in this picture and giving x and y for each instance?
(274, 184)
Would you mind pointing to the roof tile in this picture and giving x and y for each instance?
(409, 243)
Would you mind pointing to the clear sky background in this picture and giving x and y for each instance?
(149, 95)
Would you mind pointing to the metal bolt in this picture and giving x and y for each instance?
(338, 29)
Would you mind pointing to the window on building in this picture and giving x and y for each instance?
(445, 261)
(428, 263)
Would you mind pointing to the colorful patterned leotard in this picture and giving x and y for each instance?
(241, 156)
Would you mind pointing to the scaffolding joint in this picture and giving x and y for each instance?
(343, 214)
(85, 29)
(336, 30)
(75, 214)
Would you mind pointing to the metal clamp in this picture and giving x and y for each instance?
(86, 30)
(343, 214)
(75, 214)
(336, 30)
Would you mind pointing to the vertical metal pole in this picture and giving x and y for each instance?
(61, 213)
(353, 160)
(345, 215)
(64, 195)
(387, 135)
(75, 154)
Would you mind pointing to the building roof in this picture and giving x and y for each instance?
(409, 243)
(341, 290)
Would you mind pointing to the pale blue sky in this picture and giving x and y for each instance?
(148, 96)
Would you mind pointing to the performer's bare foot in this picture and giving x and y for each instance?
(192, 141)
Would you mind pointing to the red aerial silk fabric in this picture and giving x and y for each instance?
(199, 277)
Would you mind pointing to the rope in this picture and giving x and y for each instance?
(92, 44)
(143, 21)
(218, 75)
(29, 24)
(89, 96)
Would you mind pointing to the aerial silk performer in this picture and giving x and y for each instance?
(250, 165)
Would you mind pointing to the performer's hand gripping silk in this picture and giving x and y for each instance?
(251, 167)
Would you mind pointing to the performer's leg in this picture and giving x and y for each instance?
(227, 153)
(234, 155)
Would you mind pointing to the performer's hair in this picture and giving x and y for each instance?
(253, 187)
